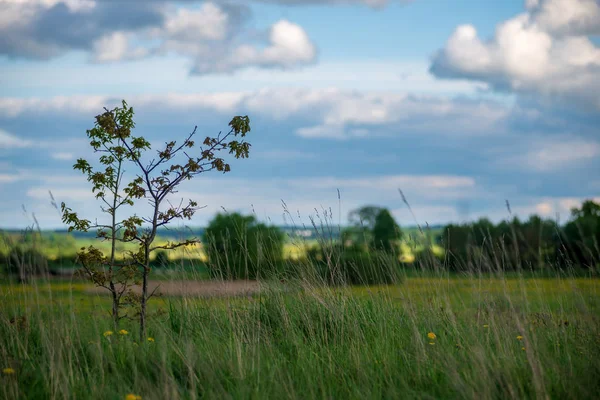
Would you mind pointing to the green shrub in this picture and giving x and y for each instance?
(352, 265)
(240, 248)
(161, 260)
(427, 259)
(26, 262)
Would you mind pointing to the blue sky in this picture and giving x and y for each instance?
(461, 105)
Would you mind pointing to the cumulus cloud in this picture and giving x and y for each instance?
(46, 29)
(207, 37)
(545, 50)
(116, 47)
(574, 17)
(214, 36)
(288, 45)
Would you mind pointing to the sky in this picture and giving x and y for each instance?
(462, 105)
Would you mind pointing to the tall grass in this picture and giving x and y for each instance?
(431, 334)
(496, 337)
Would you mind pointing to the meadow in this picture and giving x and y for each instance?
(432, 334)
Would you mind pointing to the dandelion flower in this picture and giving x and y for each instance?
(132, 396)
(519, 337)
(151, 340)
(108, 333)
(431, 335)
(8, 371)
(123, 332)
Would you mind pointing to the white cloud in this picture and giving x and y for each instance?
(210, 37)
(326, 113)
(116, 47)
(289, 46)
(215, 37)
(579, 17)
(345, 114)
(544, 50)
(10, 141)
(557, 154)
(207, 23)
(543, 154)
(74, 5)
(204, 33)
(63, 156)
(13, 107)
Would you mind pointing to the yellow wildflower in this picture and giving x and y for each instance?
(8, 371)
(132, 396)
(108, 333)
(151, 340)
(123, 332)
(519, 337)
(432, 343)
(486, 326)
(523, 348)
(431, 335)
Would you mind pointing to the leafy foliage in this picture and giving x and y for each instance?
(239, 247)
(386, 232)
(113, 140)
(583, 234)
(353, 265)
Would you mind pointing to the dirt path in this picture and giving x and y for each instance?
(195, 288)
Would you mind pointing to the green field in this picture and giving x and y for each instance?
(495, 337)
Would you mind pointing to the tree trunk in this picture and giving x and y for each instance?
(143, 305)
(115, 305)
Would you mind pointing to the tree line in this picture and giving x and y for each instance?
(368, 251)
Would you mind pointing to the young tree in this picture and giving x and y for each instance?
(107, 184)
(156, 179)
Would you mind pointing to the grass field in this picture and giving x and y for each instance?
(431, 336)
